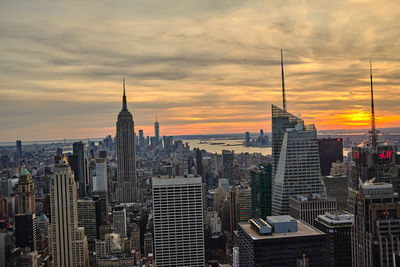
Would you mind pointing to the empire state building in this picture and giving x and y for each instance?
(126, 156)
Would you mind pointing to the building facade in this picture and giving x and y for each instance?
(330, 151)
(376, 228)
(178, 221)
(307, 208)
(261, 191)
(297, 170)
(337, 227)
(67, 241)
(280, 241)
(126, 156)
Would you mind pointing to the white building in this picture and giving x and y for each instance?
(178, 221)
(68, 242)
(100, 181)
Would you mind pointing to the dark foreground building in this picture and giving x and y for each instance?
(337, 226)
(280, 241)
(330, 150)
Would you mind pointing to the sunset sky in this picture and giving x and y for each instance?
(202, 67)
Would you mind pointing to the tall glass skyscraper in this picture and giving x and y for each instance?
(296, 164)
(126, 172)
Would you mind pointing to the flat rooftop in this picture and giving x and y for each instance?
(302, 230)
(177, 180)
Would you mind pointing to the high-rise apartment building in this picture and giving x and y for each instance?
(261, 190)
(68, 241)
(297, 172)
(330, 150)
(227, 164)
(376, 228)
(126, 156)
(178, 221)
(307, 208)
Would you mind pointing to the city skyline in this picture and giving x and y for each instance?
(211, 68)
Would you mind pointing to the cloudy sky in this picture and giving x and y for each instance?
(201, 66)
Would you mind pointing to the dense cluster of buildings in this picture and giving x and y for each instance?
(136, 200)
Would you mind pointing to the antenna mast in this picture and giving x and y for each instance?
(373, 132)
(283, 83)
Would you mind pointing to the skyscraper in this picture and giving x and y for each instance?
(330, 151)
(80, 168)
(126, 155)
(141, 138)
(376, 228)
(178, 221)
(247, 139)
(227, 162)
(261, 187)
(157, 132)
(19, 150)
(25, 219)
(68, 241)
(25, 193)
(296, 160)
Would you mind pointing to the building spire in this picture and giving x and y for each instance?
(373, 132)
(156, 118)
(283, 83)
(124, 106)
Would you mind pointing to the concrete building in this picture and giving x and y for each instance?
(100, 184)
(68, 242)
(280, 241)
(25, 194)
(296, 160)
(336, 186)
(126, 156)
(119, 221)
(337, 227)
(307, 208)
(178, 221)
(87, 218)
(243, 204)
(148, 244)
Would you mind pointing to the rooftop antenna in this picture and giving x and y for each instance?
(373, 132)
(124, 106)
(283, 83)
